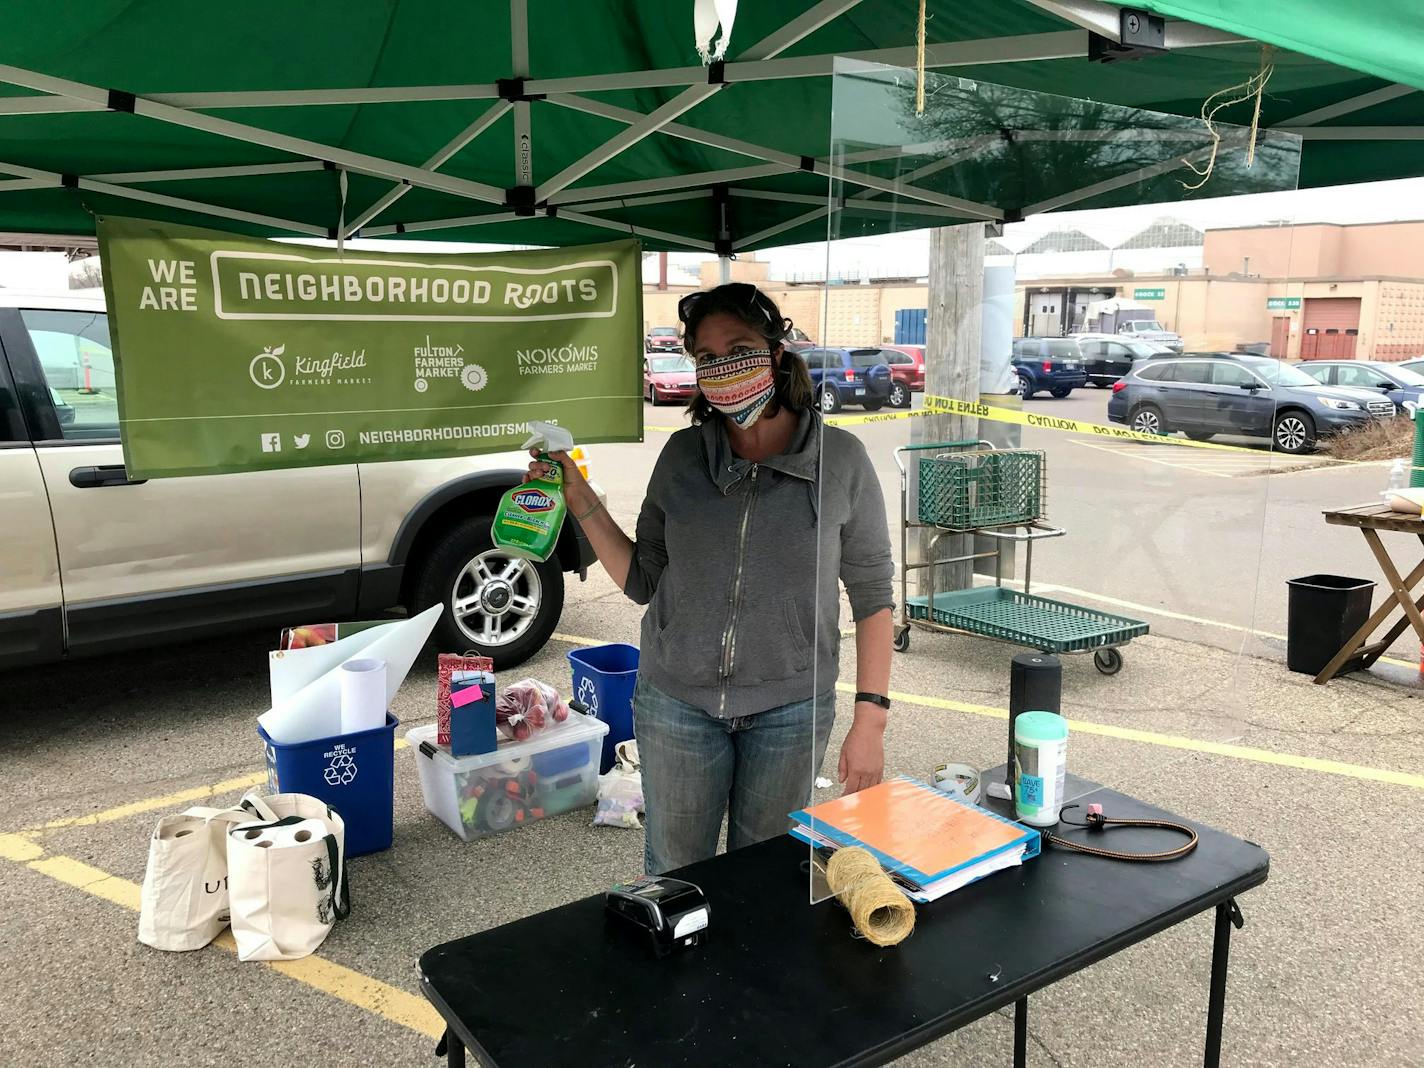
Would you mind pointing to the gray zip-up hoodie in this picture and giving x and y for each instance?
(726, 558)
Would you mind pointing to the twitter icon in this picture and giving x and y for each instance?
(301, 440)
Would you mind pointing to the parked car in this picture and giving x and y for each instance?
(1150, 330)
(662, 339)
(1415, 364)
(1238, 394)
(844, 376)
(668, 379)
(907, 372)
(1054, 364)
(94, 562)
(1107, 358)
(798, 340)
(1398, 383)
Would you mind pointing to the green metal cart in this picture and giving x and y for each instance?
(971, 488)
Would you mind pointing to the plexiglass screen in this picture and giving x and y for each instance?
(1070, 398)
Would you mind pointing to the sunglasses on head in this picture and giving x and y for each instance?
(742, 291)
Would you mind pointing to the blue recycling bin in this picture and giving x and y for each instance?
(604, 676)
(353, 773)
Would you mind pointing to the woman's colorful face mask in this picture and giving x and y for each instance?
(739, 385)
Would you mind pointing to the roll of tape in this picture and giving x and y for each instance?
(957, 780)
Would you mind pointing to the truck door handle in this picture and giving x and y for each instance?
(110, 475)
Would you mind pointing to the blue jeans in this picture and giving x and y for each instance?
(755, 769)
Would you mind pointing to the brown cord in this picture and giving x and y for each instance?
(1099, 822)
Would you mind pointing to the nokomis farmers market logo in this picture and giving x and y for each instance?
(268, 369)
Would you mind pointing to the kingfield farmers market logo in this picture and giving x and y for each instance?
(268, 369)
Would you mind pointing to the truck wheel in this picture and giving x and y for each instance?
(899, 395)
(830, 400)
(873, 405)
(497, 605)
(1060, 392)
(1025, 387)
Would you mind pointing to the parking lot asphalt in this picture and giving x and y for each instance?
(1326, 779)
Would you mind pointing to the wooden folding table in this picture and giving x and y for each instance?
(1370, 519)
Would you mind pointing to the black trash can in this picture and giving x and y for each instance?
(1323, 613)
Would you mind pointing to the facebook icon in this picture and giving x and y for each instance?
(271, 442)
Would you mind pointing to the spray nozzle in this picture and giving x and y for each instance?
(548, 437)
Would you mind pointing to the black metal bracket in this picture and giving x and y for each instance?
(808, 163)
(512, 89)
(723, 246)
(717, 72)
(521, 199)
(69, 181)
(1140, 33)
(122, 101)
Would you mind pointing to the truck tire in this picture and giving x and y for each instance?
(496, 605)
(830, 400)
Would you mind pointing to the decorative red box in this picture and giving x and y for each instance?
(449, 664)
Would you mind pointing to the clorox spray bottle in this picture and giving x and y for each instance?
(529, 517)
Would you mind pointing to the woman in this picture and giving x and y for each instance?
(736, 685)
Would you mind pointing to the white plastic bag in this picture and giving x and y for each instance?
(620, 790)
(183, 904)
(286, 876)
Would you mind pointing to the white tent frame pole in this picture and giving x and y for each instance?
(52, 179)
(638, 231)
(1021, 48)
(396, 229)
(858, 203)
(353, 161)
(1108, 185)
(782, 227)
(21, 185)
(788, 162)
(490, 116)
(519, 68)
(183, 174)
(661, 185)
(1105, 19)
(806, 23)
(1355, 103)
(632, 202)
(1353, 133)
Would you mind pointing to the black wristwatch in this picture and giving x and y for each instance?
(874, 699)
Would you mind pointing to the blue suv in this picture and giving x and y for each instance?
(849, 376)
(1051, 364)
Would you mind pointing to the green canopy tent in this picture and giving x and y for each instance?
(548, 122)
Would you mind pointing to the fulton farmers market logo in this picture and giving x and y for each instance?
(533, 501)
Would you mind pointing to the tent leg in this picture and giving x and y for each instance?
(724, 270)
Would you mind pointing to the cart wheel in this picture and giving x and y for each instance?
(1108, 661)
(902, 640)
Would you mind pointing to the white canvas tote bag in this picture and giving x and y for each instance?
(286, 877)
(184, 900)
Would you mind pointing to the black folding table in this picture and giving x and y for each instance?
(783, 982)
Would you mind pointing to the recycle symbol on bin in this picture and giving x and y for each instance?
(588, 694)
(341, 771)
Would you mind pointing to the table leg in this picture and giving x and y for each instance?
(452, 1049)
(1358, 639)
(1227, 914)
(1401, 590)
(1021, 1032)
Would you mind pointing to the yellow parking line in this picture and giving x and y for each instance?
(153, 804)
(381, 999)
(663, 429)
(1129, 734)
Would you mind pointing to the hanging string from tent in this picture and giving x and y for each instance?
(1251, 89)
(920, 62)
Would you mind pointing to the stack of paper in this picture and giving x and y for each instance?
(929, 842)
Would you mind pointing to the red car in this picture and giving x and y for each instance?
(907, 372)
(662, 339)
(668, 379)
(798, 340)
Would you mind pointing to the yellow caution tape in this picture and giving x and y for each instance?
(979, 410)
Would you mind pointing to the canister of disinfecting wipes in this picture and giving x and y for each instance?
(1040, 759)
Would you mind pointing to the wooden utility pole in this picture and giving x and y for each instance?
(952, 348)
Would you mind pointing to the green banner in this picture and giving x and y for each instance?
(238, 354)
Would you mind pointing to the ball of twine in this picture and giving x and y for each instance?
(882, 914)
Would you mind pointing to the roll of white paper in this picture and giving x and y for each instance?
(363, 695)
(265, 836)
